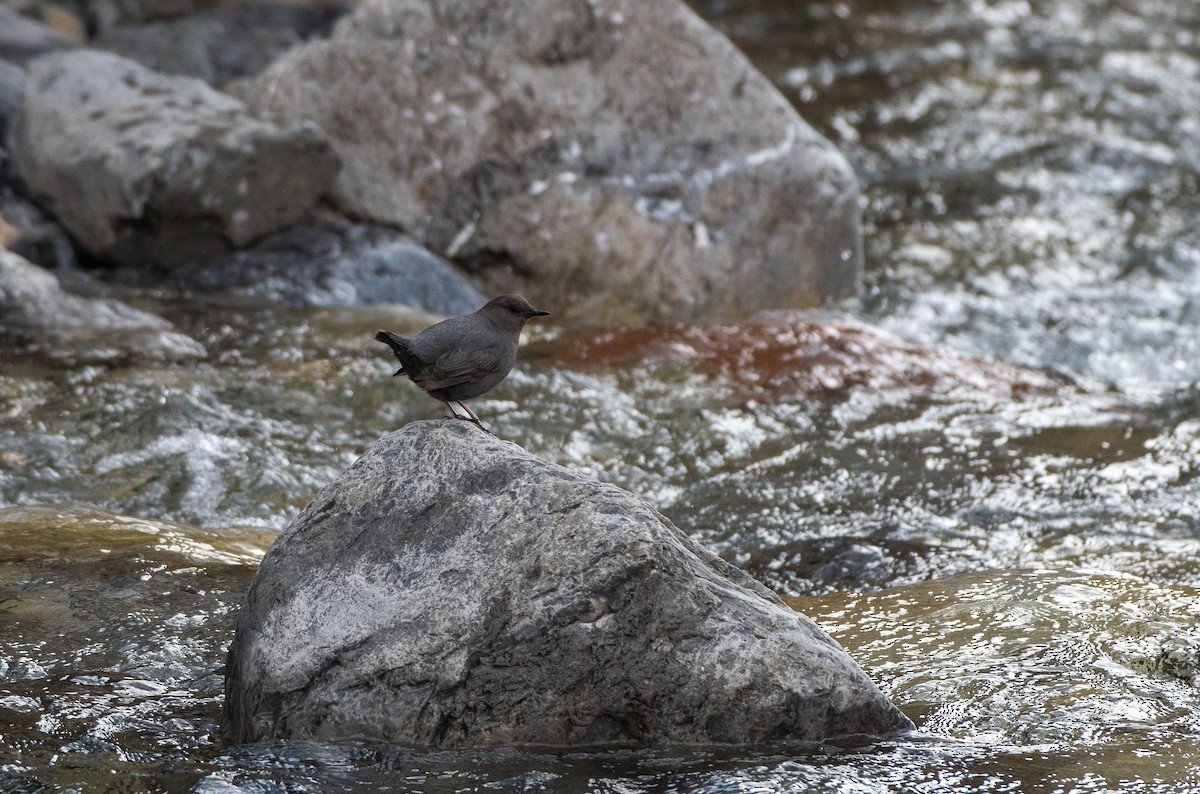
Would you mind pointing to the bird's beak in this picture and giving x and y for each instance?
(538, 313)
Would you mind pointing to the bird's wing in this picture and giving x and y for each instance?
(457, 366)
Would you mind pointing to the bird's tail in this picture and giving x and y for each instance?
(399, 346)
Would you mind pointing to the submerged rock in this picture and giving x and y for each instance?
(36, 309)
(619, 159)
(145, 168)
(783, 354)
(449, 589)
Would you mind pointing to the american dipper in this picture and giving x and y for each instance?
(464, 357)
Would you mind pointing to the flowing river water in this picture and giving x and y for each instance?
(987, 492)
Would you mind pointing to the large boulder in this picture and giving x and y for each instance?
(146, 168)
(617, 158)
(449, 589)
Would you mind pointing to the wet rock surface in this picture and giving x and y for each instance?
(449, 589)
(145, 168)
(590, 153)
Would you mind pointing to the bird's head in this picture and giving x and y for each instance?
(510, 312)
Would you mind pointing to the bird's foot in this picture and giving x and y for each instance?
(478, 424)
(470, 417)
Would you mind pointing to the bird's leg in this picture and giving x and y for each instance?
(470, 413)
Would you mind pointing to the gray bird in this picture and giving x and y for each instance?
(464, 357)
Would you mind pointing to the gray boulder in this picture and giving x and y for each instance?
(224, 42)
(35, 309)
(449, 589)
(145, 168)
(619, 158)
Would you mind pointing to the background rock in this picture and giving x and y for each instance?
(102, 15)
(23, 39)
(12, 80)
(27, 229)
(618, 157)
(323, 265)
(451, 589)
(8, 233)
(97, 16)
(146, 168)
(224, 42)
(31, 297)
(33, 235)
